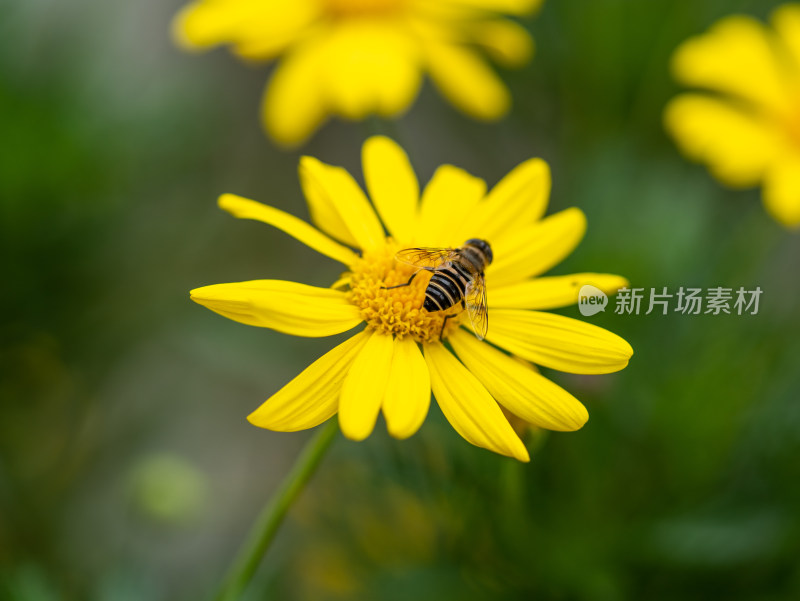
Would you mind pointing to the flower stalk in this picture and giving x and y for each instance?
(271, 517)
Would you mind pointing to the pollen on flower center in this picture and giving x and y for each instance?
(397, 311)
(344, 8)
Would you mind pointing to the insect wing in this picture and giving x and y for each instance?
(426, 258)
(475, 298)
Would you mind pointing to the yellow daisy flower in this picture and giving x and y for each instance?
(394, 363)
(355, 58)
(746, 127)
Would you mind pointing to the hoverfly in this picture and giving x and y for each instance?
(457, 278)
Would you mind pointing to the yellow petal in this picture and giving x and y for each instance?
(735, 57)
(736, 145)
(313, 396)
(259, 29)
(297, 228)
(464, 78)
(507, 42)
(558, 342)
(469, 407)
(782, 190)
(281, 24)
(451, 195)
(287, 307)
(324, 212)
(339, 206)
(364, 387)
(392, 185)
(408, 393)
(534, 249)
(518, 200)
(371, 67)
(342, 282)
(512, 7)
(786, 19)
(203, 24)
(551, 292)
(293, 106)
(518, 387)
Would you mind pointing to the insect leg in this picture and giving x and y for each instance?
(408, 283)
(444, 323)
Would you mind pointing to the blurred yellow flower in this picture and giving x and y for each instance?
(355, 58)
(746, 126)
(382, 367)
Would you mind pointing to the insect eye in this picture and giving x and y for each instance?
(488, 251)
(483, 245)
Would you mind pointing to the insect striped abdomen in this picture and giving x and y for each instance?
(445, 289)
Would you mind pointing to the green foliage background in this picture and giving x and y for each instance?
(127, 469)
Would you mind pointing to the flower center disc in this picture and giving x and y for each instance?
(398, 311)
(349, 8)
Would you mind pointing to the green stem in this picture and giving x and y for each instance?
(265, 528)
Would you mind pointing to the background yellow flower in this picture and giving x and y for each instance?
(355, 58)
(746, 125)
(382, 369)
